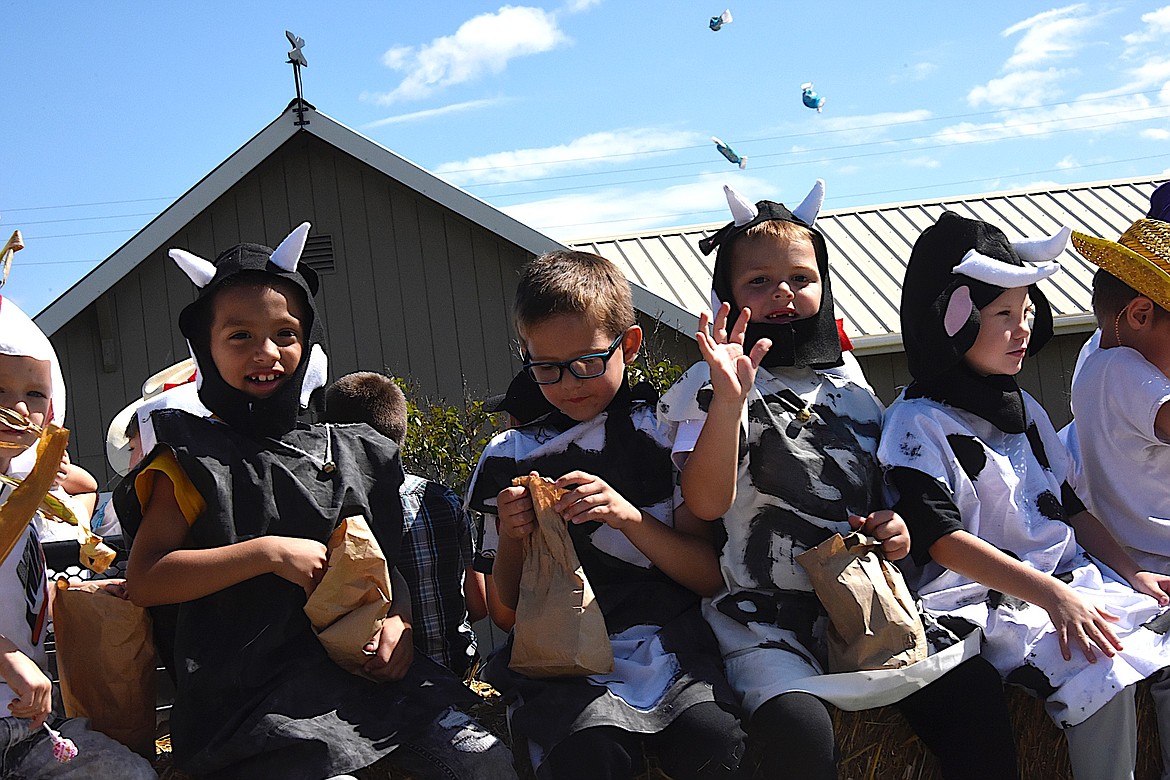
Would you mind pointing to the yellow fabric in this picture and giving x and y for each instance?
(190, 502)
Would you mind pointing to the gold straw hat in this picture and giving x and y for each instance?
(1140, 258)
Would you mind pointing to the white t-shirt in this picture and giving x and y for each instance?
(1125, 466)
(24, 610)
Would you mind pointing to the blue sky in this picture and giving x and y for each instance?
(581, 118)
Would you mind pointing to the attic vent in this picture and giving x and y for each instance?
(318, 253)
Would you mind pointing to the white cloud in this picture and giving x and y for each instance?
(1152, 74)
(430, 113)
(1067, 162)
(482, 44)
(577, 6)
(1101, 116)
(1155, 134)
(613, 147)
(868, 122)
(1019, 89)
(1050, 35)
(865, 128)
(1157, 27)
(573, 218)
(1037, 184)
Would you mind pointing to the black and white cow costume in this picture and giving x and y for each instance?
(665, 659)
(257, 694)
(807, 460)
(976, 453)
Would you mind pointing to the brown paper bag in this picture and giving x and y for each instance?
(560, 631)
(105, 657)
(873, 622)
(348, 605)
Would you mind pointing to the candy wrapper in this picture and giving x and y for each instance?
(64, 749)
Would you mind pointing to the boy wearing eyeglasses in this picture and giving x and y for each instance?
(647, 561)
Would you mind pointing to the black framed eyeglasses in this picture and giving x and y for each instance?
(583, 367)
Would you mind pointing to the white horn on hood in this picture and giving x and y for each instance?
(288, 254)
(1040, 250)
(810, 207)
(742, 210)
(986, 269)
(198, 270)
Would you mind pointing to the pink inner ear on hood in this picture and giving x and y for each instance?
(958, 310)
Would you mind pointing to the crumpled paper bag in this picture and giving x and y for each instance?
(353, 598)
(106, 661)
(560, 631)
(873, 621)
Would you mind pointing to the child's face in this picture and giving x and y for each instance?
(1005, 326)
(567, 337)
(26, 385)
(257, 337)
(134, 446)
(777, 279)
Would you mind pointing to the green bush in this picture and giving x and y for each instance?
(443, 442)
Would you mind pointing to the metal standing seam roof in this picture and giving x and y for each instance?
(869, 247)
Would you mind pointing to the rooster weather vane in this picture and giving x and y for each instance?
(296, 58)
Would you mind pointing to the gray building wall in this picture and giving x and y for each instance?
(416, 290)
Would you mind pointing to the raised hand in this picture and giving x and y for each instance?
(732, 371)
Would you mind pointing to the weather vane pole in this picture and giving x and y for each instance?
(296, 58)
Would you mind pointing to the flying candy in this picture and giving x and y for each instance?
(810, 98)
(729, 153)
(717, 22)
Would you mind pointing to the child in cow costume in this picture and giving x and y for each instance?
(776, 435)
(982, 480)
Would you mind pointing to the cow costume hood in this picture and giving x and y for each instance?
(957, 267)
(276, 414)
(813, 341)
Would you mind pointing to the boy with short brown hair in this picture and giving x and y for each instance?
(646, 560)
(438, 536)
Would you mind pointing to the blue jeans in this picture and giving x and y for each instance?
(28, 755)
(454, 747)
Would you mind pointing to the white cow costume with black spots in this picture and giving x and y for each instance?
(807, 460)
(977, 454)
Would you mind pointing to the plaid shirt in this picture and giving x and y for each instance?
(438, 544)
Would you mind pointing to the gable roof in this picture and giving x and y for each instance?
(245, 159)
(869, 247)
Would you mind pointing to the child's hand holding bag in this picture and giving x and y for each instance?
(560, 631)
(873, 621)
